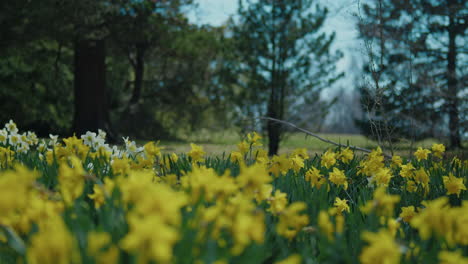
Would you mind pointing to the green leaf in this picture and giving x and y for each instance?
(14, 241)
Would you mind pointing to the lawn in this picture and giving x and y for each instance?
(217, 143)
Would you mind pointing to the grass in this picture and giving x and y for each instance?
(217, 143)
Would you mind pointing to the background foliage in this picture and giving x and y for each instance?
(164, 77)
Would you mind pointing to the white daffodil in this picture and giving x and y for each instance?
(32, 137)
(98, 143)
(130, 147)
(116, 152)
(23, 147)
(89, 138)
(42, 147)
(24, 138)
(53, 140)
(11, 127)
(3, 136)
(14, 139)
(102, 134)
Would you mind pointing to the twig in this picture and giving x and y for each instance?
(319, 137)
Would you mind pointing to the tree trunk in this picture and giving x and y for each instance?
(139, 72)
(273, 129)
(91, 109)
(130, 116)
(452, 100)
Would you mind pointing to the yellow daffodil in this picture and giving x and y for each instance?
(196, 153)
(101, 192)
(297, 163)
(277, 202)
(301, 152)
(328, 159)
(453, 185)
(407, 213)
(432, 219)
(421, 154)
(346, 155)
(396, 161)
(338, 177)
(254, 139)
(291, 221)
(236, 157)
(325, 225)
(341, 205)
(383, 204)
(315, 178)
(407, 170)
(53, 244)
(279, 165)
(71, 180)
(372, 163)
(452, 257)
(293, 259)
(101, 248)
(382, 248)
(438, 150)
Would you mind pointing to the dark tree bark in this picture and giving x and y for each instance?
(452, 102)
(91, 109)
(130, 116)
(139, 68)
(274, 133)
(273, 129)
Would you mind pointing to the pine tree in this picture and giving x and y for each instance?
(285, 59)
(415, 75)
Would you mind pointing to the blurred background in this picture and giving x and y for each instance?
(373, 72)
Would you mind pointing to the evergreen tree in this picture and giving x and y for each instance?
(285, 59)
(415, 76)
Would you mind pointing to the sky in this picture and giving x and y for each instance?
(341, 19)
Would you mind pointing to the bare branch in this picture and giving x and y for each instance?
(319, 137)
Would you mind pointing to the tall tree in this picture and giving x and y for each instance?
(455, 11)
(285, 58)
(182, 61)
(144, 27)
(91, 108)
(89, 22)
(77, 57)
(31, 64)
(415, 69)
